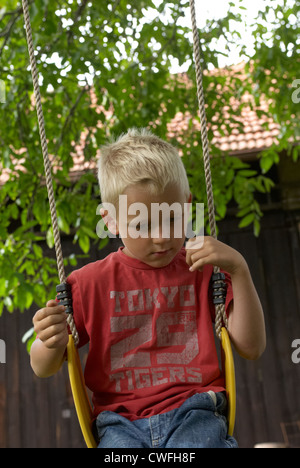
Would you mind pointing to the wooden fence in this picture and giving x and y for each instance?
(38, 413)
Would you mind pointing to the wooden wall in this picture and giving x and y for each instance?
(268, 390)
(38, 413)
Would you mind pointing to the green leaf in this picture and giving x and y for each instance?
(84, 242)
(221, 210)
(24, 297)
(247, 220)
(28, 338)
(38, 251)
(63, 225)
(72, 260)
(89, 232)
(2, 287)
(27, 335)
(266, 163)
(247, 173)
(50, 238)
(295, 154)
(8, 303)
(257, 227)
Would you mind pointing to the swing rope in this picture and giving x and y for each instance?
(47, 163)
(221, 316)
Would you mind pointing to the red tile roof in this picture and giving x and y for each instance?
(249, 134)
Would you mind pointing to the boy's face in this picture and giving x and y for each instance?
(149, 234)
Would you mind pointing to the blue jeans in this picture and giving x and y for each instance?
(198, 423)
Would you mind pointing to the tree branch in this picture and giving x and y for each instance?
(69, 117)
(80, 11)
(15, 15)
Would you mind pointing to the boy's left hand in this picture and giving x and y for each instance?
(202, 251)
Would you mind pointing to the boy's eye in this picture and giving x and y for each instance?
(142, 227)
(176, 219)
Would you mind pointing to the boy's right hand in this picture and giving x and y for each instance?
(50, 325)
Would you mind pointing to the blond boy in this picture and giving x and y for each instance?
(146, 311)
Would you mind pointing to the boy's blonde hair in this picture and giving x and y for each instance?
(139, 157)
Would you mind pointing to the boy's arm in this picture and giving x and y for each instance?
(47, 353)
(46, 362)
(246, 324)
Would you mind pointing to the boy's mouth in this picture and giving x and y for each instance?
(161, 253)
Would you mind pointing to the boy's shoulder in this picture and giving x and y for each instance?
(93, 270)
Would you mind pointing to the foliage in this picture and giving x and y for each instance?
(276, 74)
(122, 51)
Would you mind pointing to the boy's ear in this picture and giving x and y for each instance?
(109, 221)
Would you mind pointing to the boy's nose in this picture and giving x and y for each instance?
(160, 235)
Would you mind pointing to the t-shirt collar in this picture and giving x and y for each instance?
(138, 264)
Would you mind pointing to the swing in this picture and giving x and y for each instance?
(81, 400)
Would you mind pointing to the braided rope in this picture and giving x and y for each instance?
(220, 309)
(47, 164)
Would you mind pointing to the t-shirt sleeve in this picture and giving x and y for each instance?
(78, 309)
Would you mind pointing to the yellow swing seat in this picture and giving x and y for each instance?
(81, 400)
(230, 382)
(83, 406)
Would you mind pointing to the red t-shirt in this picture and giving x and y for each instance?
(150, 333)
